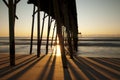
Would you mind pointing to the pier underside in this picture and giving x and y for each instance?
(65, 31)
(65, 16)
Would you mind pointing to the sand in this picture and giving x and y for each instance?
(49, 67)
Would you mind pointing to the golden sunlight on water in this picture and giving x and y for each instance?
(57, 50)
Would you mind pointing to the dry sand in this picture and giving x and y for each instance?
(49, 67)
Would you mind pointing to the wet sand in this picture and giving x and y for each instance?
(49, 67)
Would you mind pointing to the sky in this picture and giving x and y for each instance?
(95, 18)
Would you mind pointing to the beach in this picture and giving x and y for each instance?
(91, 62)
(49, 67)
(60, 40)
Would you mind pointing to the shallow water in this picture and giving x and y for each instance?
(89, 47)
(99, 51)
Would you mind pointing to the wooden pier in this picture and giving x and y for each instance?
(64, 15)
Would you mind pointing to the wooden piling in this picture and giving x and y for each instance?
(59, 32)
(38, 32)
(56, 38)
(66, 20)
(48, 33)
(74, 25)
(11, 33)
(53, 34)
(32, 30)
(42, 30)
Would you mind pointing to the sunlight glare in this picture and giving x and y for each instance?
(58, 50)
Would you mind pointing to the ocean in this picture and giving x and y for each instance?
(87, 46)
(99, 47)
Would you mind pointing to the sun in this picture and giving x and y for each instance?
(58, 53)
(56, 50)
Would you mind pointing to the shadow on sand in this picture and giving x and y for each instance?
(6, 70)
(94, 69)
(80, 68)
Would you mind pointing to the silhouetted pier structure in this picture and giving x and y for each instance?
(64, 15)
